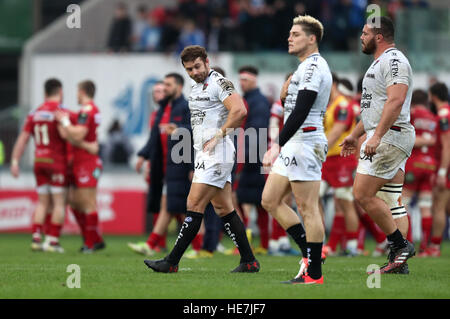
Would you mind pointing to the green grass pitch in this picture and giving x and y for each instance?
(117, 272)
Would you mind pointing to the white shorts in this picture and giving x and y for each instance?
(301, 161)
(386, 162)
(215, 169)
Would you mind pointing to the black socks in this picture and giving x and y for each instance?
(298, 233)
(235, 228)
(189, 229)
(396, 240)
(314, 253)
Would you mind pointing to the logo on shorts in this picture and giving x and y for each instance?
(288, 162)
(188, 219)
(83, 179)
(217, 172)
(366, 157)
(96, 173)
(200, 166)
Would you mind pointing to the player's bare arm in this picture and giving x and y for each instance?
(90, 147)
(237, 112)
(441, 179)
(427, 140)
(396, 95)
(350, 143)
(74, 133)
(337, 130)
(19, 148)
(284, 89)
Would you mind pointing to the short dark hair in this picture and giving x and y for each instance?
(192, 52)
(439, 90)
(386, 29)
(88, 87)
(419, 97)
(219, 70)
(178, 78)
(347, 84)
(249, 69)
(52, 86)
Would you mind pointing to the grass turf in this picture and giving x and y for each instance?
(117, 272)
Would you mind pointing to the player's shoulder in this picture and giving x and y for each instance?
(221, 82)
(393, 55)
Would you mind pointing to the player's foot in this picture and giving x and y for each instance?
(220, 248)
(99, 245)
(195, 254)
(381, 249)
(53, 247)
(252, 266)
(328, 251)
(403, 269)
(303, 267)
(397, 259)
(141, 248)
(305, 279)
(161, 265)
(36, 244)
(431, 251)
(260, 251)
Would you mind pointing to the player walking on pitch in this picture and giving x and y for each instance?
(385, 117)
(215, 109)
(304, 149)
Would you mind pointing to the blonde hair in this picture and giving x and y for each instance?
(310, 26)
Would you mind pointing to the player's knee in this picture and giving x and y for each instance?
(344, 193)
(269, 204)
(391, 194)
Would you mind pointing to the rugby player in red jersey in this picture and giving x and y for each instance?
(441, 194)
(86, 167)
(421, 166)
(49, 166)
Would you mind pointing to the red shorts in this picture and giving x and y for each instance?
(50, 175)
(86, 174)
(339, 171)
(420, 173)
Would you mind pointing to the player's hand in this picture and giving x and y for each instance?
(62, 117)
(15, 170)
(271, 155)
(209, 146)
(284, 89)
(441, 182)
(371, 145)
(139, 163)
(349, 145)
(168, 128)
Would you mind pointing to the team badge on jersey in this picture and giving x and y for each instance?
(443, 123)
(82, 118)
(226, 85)
(342, 115)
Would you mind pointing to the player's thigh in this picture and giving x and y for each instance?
(222, 201)
(199, 196)
(367, 186)
(276, 189)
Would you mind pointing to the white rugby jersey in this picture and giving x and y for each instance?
(312, 74)
(391, 67)
(206, 106)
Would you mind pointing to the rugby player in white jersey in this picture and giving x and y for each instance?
(303, 143)
(385, 118)
(216, 109)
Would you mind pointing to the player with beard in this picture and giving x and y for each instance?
(216, 109)
(385, 117)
